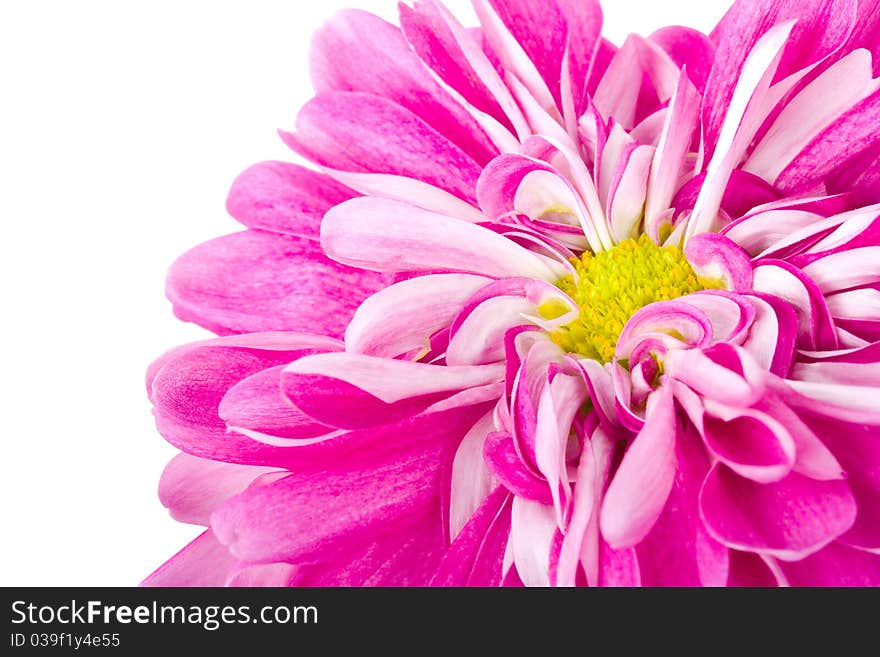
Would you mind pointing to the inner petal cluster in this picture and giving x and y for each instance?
(610, 286)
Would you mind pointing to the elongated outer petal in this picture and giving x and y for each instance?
(467, 555)
(187, 385)
(281, 197)
(842, 85)
(783, 280)
(361, 132)
(626, 196)
(353, 390)
(256, 404)
(402, 317)
(823, 154)
(742, 120)
(532, 528)
(358, 51)
(788, 519)
(434, 42)
(389, 491)
(821, 27)
(259, 281)
(203, 562)
(678, 551)
(191, 487)
(675, 142)
(639, 489)
(391, 236)
(541, 32)
(508, 467)
(846, 269)
(689, 49)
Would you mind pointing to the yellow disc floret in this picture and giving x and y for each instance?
(612, 285)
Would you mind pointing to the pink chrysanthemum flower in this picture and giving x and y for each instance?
(554, 312)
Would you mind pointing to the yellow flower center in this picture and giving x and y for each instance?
(612, 285)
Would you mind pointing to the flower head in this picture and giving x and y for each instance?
(553, 312)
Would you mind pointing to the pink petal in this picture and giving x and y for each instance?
(858, 449)
(677, 551)
(822, 26)
(187, 385)
(257, 281)
(855, 128)
(433, 41)
(284, 198)
(506, 26)
(715, 256)
(835, 565)
(675, 142)
(385, 235)
(353, 390)
(749, 569)
(459, 566)
(268, 574)
(839, 87)
(472, 480)
(746, 94)
(509, 469)
(788, 519)
(358, 51)
(752, 444)
(257, 404)
(191, 487)
(532, 527)
(641, 486)
(204, 562)
(352, 131)
(689, 49)
(402, 318)
(347, 504)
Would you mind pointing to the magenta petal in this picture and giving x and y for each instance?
(204, 562)
(689, 49)
(267, 574)
(788, 519)
(490, 522)
(678, 551)
(822, 27)
(714, 256)
(749, 569)
(256, 404)
(187, 385)
(641, 486)
(857, 447)
(258, 281)
(344, 506)
(389, 561)
(540, 29)
(284, 198)
(752, 444)
(509, 469)
(358, 51)
(433, 41)
(365, 133)
(835, 565)
(353, 390)
(856, 128)
(191, 487)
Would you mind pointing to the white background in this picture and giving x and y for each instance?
(122, 125)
